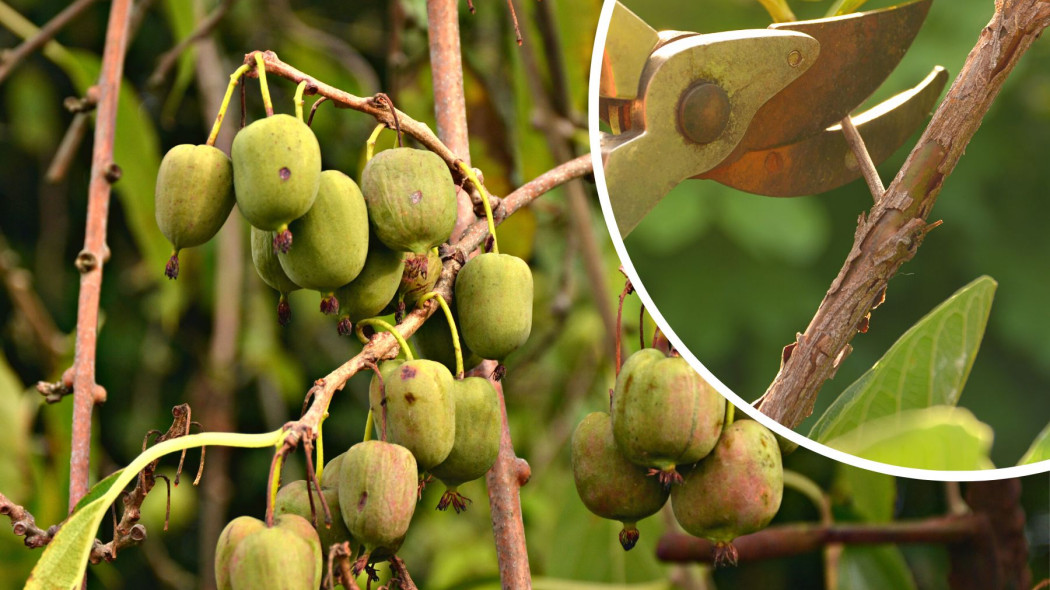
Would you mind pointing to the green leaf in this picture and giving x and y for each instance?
(841, 7)
(62, 564)
(872, 495)
(940, 438)
(99, 489)
(927, 366)
(1040, 449)
(16, 419)
(874, 568)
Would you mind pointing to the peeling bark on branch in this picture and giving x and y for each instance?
(889, 234)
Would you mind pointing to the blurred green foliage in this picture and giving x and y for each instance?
(158, 338)
(737, 275)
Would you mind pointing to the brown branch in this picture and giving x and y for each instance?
(504, 482)
(795, 539)
(91, 259)
(450, 105)
(12, 58)
(419, 131)
(892, 231)
(24, 525)
(204, 28)
(864, 161)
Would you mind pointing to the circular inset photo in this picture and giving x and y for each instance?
(836, 210)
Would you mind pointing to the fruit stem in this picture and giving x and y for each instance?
(261, 68)
(275, 483)
(378, 323)
(451, 328)
(299, 99)
(235, 79)
(469, 173)
(370, 145)
(730, 414)
(369, 425)
(319, 469)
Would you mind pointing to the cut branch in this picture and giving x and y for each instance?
(892, 231)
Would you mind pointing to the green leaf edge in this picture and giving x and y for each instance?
(828, 420)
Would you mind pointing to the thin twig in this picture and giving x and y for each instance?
(204, 28)
(91, 259)
(892, 231)
(14, 57)
(19, 285)
(864, 161)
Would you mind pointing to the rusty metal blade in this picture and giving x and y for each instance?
(857, 53)
(627, 47)
(825, 161)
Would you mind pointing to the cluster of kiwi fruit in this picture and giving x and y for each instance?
(431, 424)
(670, 434)
(369, 250)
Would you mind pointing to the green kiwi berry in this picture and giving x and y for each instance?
(368, 294)
(270, 271)
(477, 439)
(377, 496)
(276, 174)
(411, 199)
(332, 239)
(664, 414)
(420, 411)
(494, 299)
(194, 196)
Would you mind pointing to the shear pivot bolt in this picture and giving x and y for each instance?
(795, 58)
(703, 112)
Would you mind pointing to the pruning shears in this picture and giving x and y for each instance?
(757, 110)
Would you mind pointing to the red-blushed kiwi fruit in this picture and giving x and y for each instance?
(609, 485)
(734, 491)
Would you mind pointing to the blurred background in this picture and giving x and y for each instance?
(211, 339)
(737, 275)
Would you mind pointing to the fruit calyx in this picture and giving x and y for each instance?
(456, 500)
(629, 536)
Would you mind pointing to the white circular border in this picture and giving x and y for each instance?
(628, 266)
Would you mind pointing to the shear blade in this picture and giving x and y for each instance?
(825, 161)
(857, 53)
